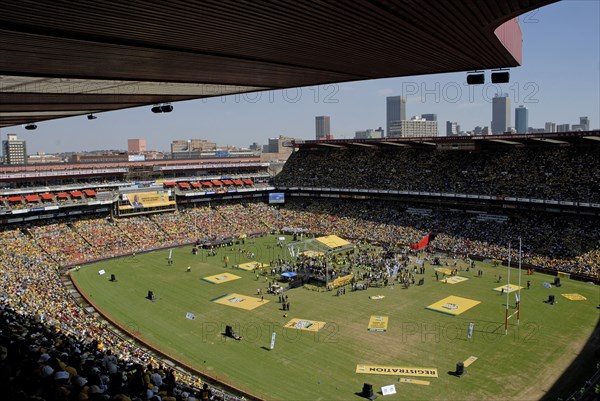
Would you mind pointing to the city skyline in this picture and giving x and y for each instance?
(570, 29)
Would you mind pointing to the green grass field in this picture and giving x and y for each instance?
(321, 366)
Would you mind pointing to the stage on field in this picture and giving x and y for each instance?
(304, 324)
(378, 323)
(250, 266)
(453, 305)
(240, 301)
(574, 297)
(221, 278)
(508, 288)
(333, 241)
(455, 279)
(396, 371)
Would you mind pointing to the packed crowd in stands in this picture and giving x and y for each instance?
(566, 243)
(53, 349)
(560, 173)
(33, 256)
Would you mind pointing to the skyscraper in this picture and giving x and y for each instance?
(15, 150)
(585, 123)
(451, 128)
(322, 127)
(395, 111)
(550, 127)
(521, 119)
(500, 114)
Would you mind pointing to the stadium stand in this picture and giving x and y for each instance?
(564, 173)
(73, 228)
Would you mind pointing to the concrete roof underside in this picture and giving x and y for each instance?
(68, 58)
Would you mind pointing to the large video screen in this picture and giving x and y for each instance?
(276, 197)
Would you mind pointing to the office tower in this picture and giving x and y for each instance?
(322, 127)
(521, 119)
(550, 127)
(14, 149)
(500, 114)
(136, 146)
(416, 127)
(395, 110)
(451, 128)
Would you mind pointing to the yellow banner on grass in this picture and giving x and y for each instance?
(415, 381)
(396, 371)
(574, 297)
(469, 361)
(378, 323)
(305, 324)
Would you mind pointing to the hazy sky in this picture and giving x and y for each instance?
(559, 82)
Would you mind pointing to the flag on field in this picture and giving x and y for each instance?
(421, 244)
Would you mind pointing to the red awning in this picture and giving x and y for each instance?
(169, 183)
(238, 182)
(32, 198)
(89, 192)
(227, 182)
(207, 183)
(62, 195)
(183, 185)
(217, 182)
(47, 197)
(248, 181)
(76, 194)
(196, 184)
(15, 199)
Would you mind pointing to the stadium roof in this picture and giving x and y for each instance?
(67, 58)
(458, 142)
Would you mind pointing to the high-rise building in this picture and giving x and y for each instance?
(136, 146)
(395, 110)
(14, 149)
(416, 127)
(521, 119)
(500, 114)
(429, 117)
(585, 123)
(322, 127)
(550, 127)
(563, 127)
(451, 128)
(369, 134)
